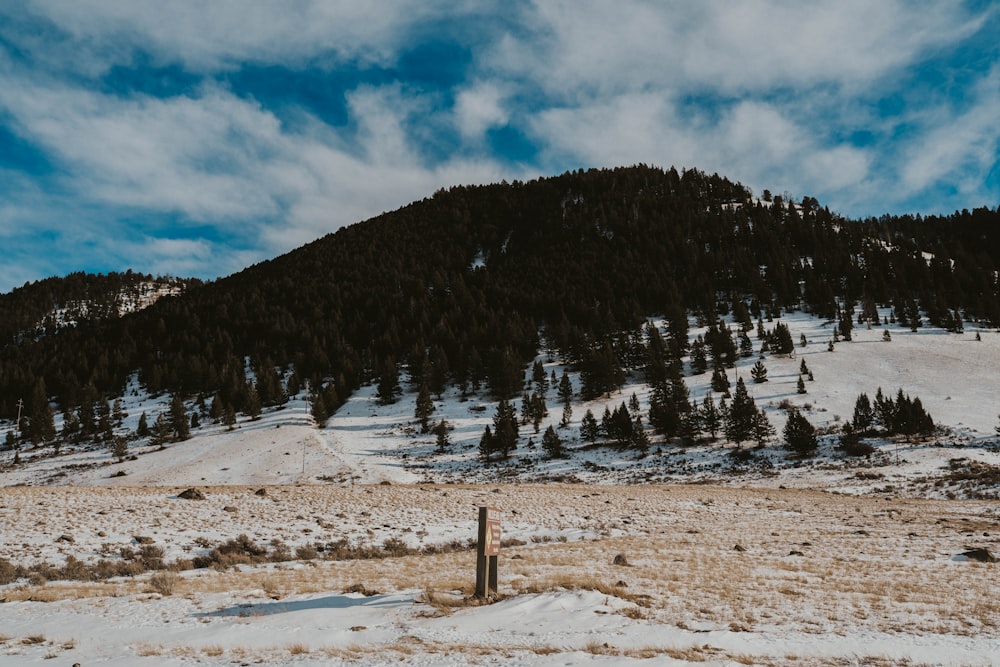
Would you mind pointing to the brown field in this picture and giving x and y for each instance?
(807, 561)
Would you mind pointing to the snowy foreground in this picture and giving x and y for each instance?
(841, 561)
(712, 576)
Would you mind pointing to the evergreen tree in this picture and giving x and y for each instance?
(424, 408)
(639, 438)
(320, 413)
(720, 382)
(441, 432)
(763, 430)
(388, 389)
(525, 408)
(589, 429)
(565, 388)
(699, 360)
(800, 435)
(800, 386)
(41, 423)
(886, 336)
(179, 424)
(803, 369)
(539, 410)
(119, 447)
(229, 417)
(552, 444)
(117, 413)
(782, 343)
(505, 431)
(864, 415)
(487, 446)
(540, 377)
(758, 372)
(252, 407)
(567, 415)
(709, 416)
(161, 433)
(739, 424)
(883, 410)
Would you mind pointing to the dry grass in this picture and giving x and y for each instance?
(164, 583)
(866, 564)
(297, 649)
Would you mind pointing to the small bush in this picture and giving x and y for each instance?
(306, 552)
(163, 582)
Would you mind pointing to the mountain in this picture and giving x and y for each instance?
(46, 306)
(463, 289)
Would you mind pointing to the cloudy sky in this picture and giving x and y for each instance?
(194, 138)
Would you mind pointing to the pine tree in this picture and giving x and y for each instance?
(117, 413)
(179, 424)
(119, 447)
(633, 404)
(711, 418)
(758, 372)
(161, 432)
(638, 437)
(886, 336)
(739, 424)
(800, 435)
(762, 430)
(540, 378)
(486, 445)
(567, 415)
(41, 423)
(505, 431)
(800, 386)
(229, 417)
(589, 429)
(253, 403)
(441, 432)
(320, 413)
(552, 444)
(424, 408)
(565, 388)
(539, 410)
(864, 415)
(782, 343)
(388, 389)
(699, 360)
(720, 382)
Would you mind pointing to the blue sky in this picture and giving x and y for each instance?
(194, 139)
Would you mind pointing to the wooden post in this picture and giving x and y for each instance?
(487, 552)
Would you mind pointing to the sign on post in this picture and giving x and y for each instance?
(487, 552)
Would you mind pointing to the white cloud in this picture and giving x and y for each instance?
(958, 146)
(584, 48)
(763, 92)
(225, 33)
(478, 109)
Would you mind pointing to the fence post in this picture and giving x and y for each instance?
(487, 552)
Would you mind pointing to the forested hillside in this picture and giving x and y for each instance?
(464, 287)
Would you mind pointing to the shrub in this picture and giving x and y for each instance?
(163, 582)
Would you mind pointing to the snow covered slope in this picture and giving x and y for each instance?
(956, 376)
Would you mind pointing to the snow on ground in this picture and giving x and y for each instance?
(817, 579)
(879, 579)
(956, 377)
